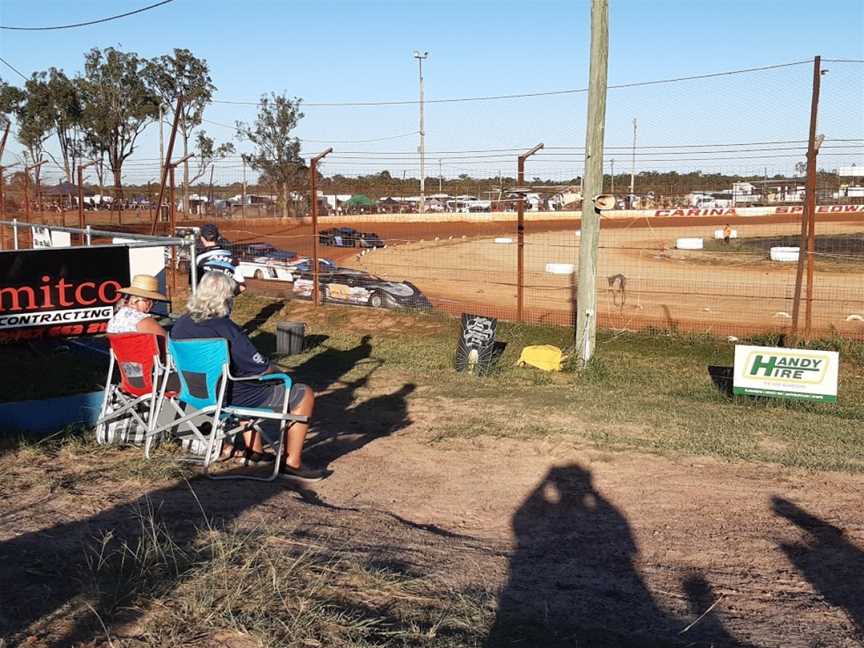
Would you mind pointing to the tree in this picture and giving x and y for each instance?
(65, 114)
(33, 115)
(277, 153)
(207, 153)
(117, 104)
(184, 75)
(10, 97)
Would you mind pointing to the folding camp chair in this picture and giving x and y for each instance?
(135, 396)
(203, 367)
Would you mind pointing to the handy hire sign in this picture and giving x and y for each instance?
(786, 373)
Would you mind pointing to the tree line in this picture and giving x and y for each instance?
(99, 114)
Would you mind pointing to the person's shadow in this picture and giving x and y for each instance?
(350, 428)
(828, 560)
(573, 581)
(325, 368)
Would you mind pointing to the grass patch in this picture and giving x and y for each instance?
(648, 390)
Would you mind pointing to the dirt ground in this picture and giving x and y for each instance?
(595, 548)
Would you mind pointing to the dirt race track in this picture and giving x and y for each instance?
(642, 280)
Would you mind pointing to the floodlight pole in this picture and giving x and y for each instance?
(520, 231)
(27, 186)
(592, 184)
(313, 177)
(422, 207)
(81, 223)
(808, 217)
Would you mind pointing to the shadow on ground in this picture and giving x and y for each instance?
(827, 559)
(573, 579)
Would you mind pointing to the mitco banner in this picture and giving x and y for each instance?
(58, 292)
(786, 373)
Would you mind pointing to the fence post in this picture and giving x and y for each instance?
(88, 237)
(520, 231)
(14, 233)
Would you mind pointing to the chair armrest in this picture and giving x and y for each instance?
(285, 378)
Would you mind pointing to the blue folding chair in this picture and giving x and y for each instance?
(203, 367)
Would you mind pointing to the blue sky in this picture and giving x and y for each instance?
(333, 51)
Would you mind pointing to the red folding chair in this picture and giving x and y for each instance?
(135, 396)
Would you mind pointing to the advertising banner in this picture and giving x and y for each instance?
(786, 373)
(59, 292)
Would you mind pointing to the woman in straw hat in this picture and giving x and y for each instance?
(133, 311)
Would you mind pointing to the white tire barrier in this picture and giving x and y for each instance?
(560, 268)
(854, 317)
(503, 240)
(718, 234)
(689, 244)
(784, 254)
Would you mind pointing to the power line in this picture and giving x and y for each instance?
(12, 67)
(523, 95)
(315, 141)
(89, 22)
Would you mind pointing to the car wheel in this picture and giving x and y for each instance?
(376, 300)
(259, 274)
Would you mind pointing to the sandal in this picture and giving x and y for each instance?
(252, 458)
(303, 473)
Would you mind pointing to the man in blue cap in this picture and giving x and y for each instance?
(214, 256)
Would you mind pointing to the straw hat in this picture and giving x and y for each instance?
(144, 286)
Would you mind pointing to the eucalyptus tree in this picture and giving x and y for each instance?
(118, 103)
(277, 151)
(183, 74)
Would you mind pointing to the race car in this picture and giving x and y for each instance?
(349, 237)
(347, 286)
(281, 268)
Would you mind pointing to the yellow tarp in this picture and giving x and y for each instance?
(542, 356)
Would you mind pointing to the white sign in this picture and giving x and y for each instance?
(45, 237)
(786, 373)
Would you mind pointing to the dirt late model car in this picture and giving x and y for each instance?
(275, 269)
(349, 237)
(346, 286)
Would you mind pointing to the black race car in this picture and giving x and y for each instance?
(346, 286)
(349, 237)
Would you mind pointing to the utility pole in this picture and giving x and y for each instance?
(420, 58)
(520, 230)
(592, 184)
(633, 166)
(808, 217)
(166, 162)
(612, 191)
(161, 142)
(35, 167)
(243, 198)
(313, 173)
(440, 177)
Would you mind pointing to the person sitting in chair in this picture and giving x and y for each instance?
(207, 316)
(133, 311)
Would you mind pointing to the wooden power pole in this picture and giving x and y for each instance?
(592, 184)
(808, 217)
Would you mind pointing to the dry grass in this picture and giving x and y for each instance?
(262, 587)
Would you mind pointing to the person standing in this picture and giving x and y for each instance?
(214, 256)
(727, 233)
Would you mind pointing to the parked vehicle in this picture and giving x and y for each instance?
(371, 240)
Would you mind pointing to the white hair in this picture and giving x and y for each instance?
(214, 297)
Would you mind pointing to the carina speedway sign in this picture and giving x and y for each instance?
(786, 373)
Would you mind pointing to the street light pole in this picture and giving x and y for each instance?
(633, 167)
(420, 58)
